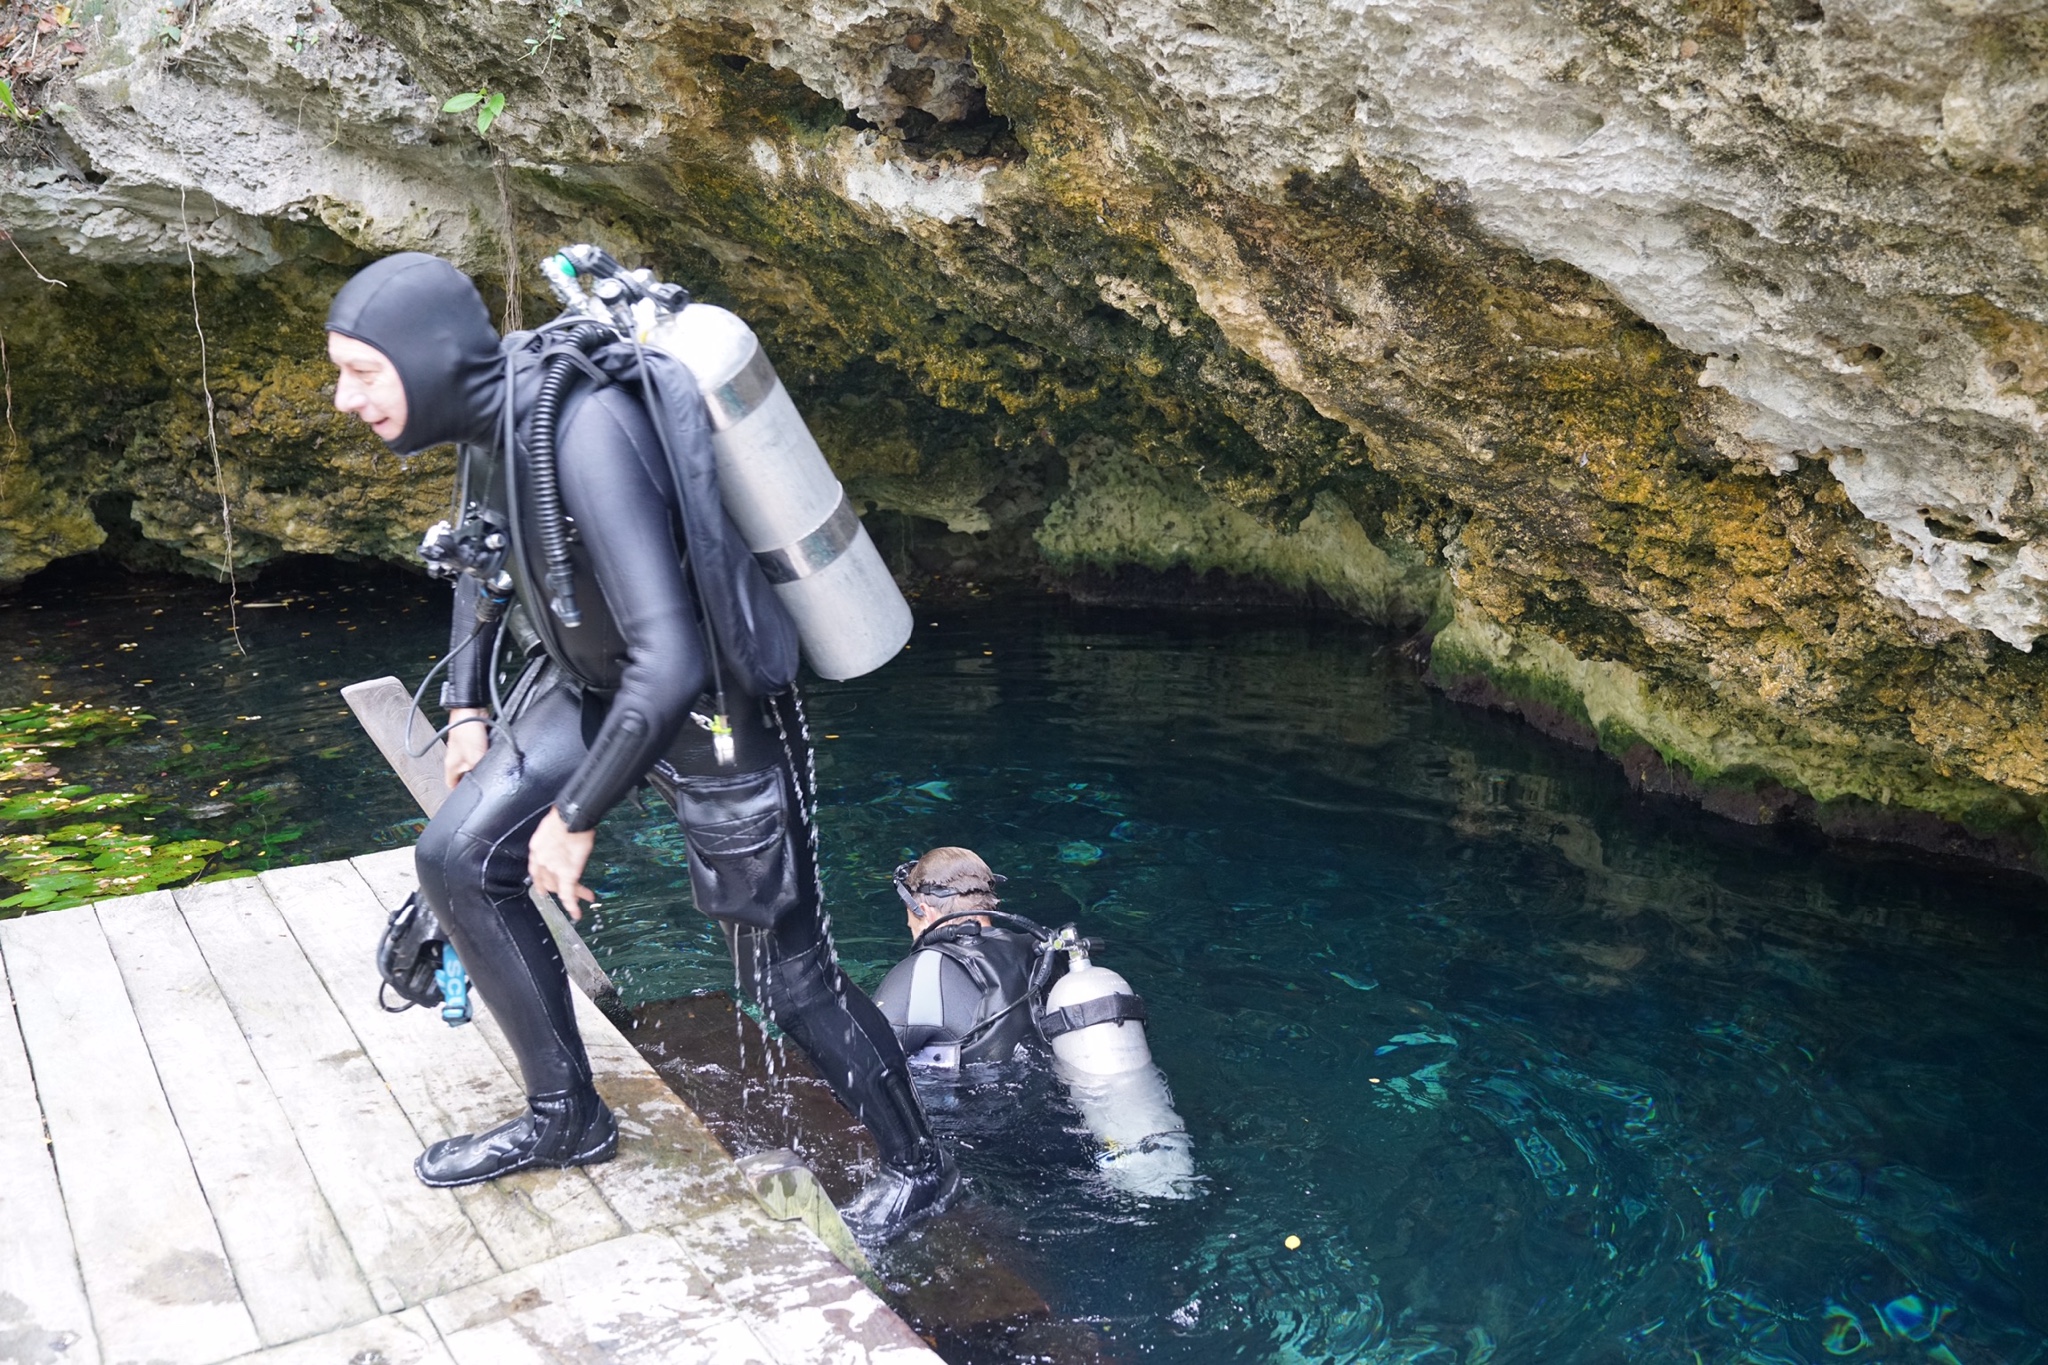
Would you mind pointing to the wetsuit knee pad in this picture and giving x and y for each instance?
(745, 866)
(450, 855)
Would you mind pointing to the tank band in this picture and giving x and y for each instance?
(807, 555)
(1104, 1009)
(734, 400)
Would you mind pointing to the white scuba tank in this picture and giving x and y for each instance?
(1122, 1097)
(789, 508)
(1105, 1049)
(1145, 1149)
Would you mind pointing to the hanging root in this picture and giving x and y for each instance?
(29, 263)
(220, 478)
(512, 315)
(7, 387)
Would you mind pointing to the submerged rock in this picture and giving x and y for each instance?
(1679, 367)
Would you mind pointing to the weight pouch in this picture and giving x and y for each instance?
(743, 862)
(409, 954)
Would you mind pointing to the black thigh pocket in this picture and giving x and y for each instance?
(742, 863)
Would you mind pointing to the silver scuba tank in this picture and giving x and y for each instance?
(789, 508)
(1097, 1030)
(773, 479)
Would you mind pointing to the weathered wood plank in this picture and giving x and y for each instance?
(296, 1272)
(383, 707)
(406, 1338)
(448, 1080)
(151, 1259)
(628, 1301)
(669, 1167)
(412, 1242)
(791, 1292)
(43, 1312)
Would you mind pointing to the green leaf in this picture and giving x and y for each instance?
(468, 99)
(488, 115)
(33, 806)
(93, 805)
(7, 104)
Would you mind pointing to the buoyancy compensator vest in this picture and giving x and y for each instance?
(964, 996)
(769, 475)
(753, 640)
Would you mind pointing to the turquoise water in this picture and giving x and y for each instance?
(1534, 1068)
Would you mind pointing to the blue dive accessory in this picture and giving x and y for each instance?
(454, 984)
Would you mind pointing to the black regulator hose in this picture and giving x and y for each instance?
(546, 489)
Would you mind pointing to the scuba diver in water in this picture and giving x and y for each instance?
(654, 651)
(980, 983)
(964, 995)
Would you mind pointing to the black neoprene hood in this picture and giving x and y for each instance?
(427, 319)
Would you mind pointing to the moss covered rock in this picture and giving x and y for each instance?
(1682, 364)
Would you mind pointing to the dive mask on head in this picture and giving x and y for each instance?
(935, 890)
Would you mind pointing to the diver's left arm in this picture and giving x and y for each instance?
(611, 486)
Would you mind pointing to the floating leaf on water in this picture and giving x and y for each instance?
(1080, 853)
(938, 791)
(33, 806)
(1357, 983)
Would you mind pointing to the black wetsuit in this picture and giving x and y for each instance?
(598, 708)
(966, 986)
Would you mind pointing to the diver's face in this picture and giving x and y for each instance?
(369, 385)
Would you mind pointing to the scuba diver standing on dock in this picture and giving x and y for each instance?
(654, 650)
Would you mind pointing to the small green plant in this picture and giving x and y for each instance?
(169, 31)
(487, 102)
(9, 107)
(560, 10)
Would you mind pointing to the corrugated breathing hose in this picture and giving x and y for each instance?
(546, 490)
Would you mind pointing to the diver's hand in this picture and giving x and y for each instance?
(466, 744)
(555, 859)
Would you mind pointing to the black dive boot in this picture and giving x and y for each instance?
(909, 1190)
(566, 1128)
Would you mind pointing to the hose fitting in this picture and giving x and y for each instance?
(547, 494)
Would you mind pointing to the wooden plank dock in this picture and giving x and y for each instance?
(207, 1128)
